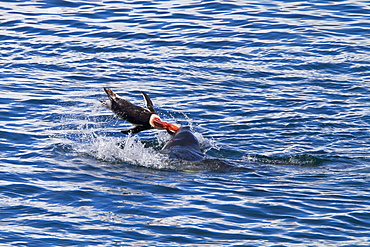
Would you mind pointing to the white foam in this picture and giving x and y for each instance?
(100, 138)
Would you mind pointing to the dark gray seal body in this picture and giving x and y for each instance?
(183, 146)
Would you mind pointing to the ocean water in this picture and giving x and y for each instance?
(277, 92)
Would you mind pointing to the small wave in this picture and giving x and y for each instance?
(303, 160)
(322, 161)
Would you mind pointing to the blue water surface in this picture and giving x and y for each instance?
(277, 93)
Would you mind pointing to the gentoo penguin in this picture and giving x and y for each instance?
(142, 118)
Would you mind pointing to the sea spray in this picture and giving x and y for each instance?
(94, 133)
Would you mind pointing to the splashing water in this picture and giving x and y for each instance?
(95, 135)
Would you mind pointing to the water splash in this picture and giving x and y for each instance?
(92, 131)
(95, 134)
(96, 138)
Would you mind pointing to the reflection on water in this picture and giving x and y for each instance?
(276, 93)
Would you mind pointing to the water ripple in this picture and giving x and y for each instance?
(276, 92)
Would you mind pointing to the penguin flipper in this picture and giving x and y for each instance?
(135, 130)
(148, 102)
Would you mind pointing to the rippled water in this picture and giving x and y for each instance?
(277, 92)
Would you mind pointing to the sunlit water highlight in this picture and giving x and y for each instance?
(277, 92)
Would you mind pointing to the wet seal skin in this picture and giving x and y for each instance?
(184, 146)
